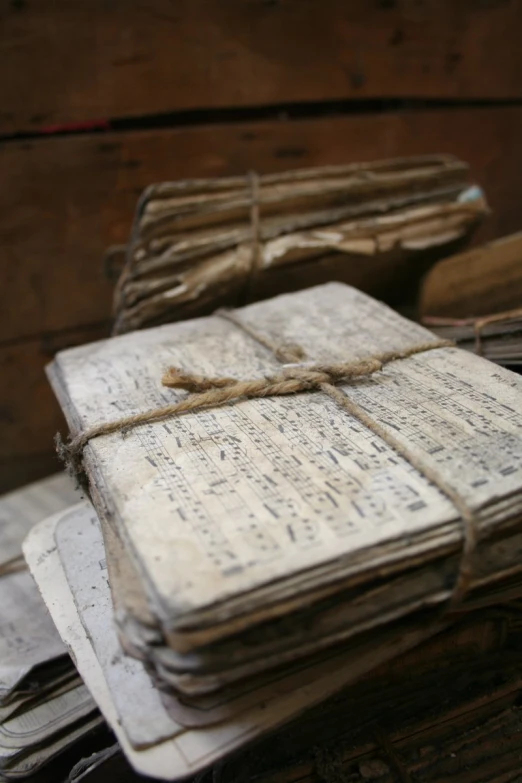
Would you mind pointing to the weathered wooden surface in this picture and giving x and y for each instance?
(480, 282)
(29, 413)
(70, 62)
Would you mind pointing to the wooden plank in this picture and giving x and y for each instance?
(65, 199)
(72, 62)
(20, 469)
(480, 282)
(29, 413)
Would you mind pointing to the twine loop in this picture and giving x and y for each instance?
(476, 324)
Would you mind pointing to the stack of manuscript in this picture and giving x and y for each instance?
(339, 486)
(475, 298)
(201, 244)
(44, 706)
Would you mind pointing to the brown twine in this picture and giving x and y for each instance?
(349, 371)
(288, 353)
(486, 320)
(206, 392)
(478, 324)
(13, 566)
(255, 228)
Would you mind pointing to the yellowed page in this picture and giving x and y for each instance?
(224, 507)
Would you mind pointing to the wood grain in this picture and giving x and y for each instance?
(64, 200)
(482, 281)
(93, 59)
(29, 413)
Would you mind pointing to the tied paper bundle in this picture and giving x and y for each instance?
(44, 706)
(338, 486)
(475, 299)
(201, 244)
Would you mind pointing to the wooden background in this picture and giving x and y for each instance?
(99, 98)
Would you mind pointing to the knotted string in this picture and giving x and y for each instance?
(295, 377)
(350, 371)
(478, 324)
(497, 318)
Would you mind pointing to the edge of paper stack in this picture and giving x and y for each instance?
(67, 559)
(197, 245)
(45, 707)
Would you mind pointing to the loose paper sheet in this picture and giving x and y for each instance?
(28, 637)
(23, 508)
(35, 726)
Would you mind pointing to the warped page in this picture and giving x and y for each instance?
(52, 716)
(497, 337)
(54, 681)
(28, 638)
(106, 764)
(44, 707)
(200, 244)
(23, 508)
(30, 761)
(49, 680)
(65, 554)
(80, 546)
(241, 513)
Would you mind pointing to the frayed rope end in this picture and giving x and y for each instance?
(175, 378)
(71, 459)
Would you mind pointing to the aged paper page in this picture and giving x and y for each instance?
(28, 761)
(220, 503)
(28, 637)
(249, 465)
(117, 693)
(23, 508)
(35, 726)
(82, 554)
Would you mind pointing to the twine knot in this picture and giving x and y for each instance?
(294, 377)
(291, 379)
(209, 392)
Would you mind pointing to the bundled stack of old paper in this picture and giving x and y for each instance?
(201, 244)
(44, 705)
(475, 298)
(255, 557)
